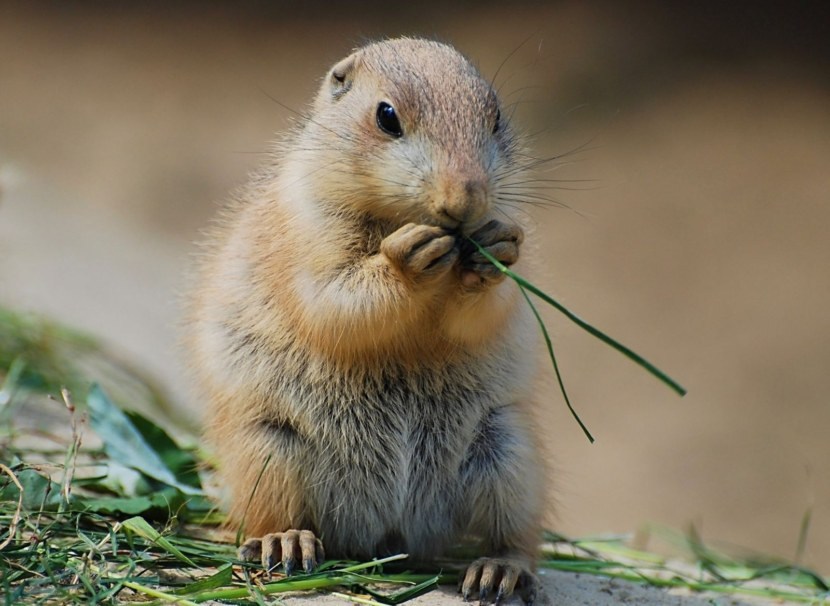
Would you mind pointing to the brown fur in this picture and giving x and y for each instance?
(372, 372)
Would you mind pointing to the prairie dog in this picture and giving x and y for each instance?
(366, 371)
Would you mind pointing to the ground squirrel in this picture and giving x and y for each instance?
(365, 368)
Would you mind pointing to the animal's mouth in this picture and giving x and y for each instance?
(444, 220)
(456, 226)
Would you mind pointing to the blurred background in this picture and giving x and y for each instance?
(702, 242)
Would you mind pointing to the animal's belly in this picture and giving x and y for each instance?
(389, 498)
(388, 457)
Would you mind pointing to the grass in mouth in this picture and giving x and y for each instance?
(525, 286)
(109, 508)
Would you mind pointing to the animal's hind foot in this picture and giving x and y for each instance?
(286, 548)
(498, 578)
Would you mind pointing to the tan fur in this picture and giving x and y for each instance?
(375, 401)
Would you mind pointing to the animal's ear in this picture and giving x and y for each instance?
(341, 76)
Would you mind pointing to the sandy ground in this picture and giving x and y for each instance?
(567, 589)
(703, 244)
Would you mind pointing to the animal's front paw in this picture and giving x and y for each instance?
(500, 577)
(502, 241)
(420, 251)
(286, 548)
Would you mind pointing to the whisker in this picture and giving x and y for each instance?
(504, 62)
(305, 117)
(498, 206)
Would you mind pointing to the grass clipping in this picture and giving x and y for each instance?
(107, 507)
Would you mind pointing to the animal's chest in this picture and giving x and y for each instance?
(392, 449)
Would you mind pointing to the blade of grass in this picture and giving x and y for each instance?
(71, 457)
(631, 355)
(356, 599)
(405, 594)
(549, 344)
(281, 586)
(611, 558)
(159, 595)
(241, 530)
(639, 576)
(16, 517)
(10, 384)
(308, 583)
(139, 526)
(331, 578)
(373, 563)
(803, 531)
(220, 578)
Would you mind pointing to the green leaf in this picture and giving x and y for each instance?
(39, 492)
(142, 528)
(129, 505)
(124, 443)
(124, 481)
(181, 462)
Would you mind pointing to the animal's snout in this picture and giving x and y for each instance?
(467, 201)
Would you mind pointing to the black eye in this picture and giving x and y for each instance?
(497, 123)
(388, 120)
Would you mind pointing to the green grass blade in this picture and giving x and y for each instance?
(631, 355)
(357, 600)
(241, 530)
(220, 578)
(405, 594)
(159, 595)
(549, 344)
(139, 526)
(373, 563)
(803, 531)
(10, 384)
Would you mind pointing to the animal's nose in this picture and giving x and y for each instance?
(469, 203)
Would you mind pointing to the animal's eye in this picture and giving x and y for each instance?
(388, 120)
(497, 123)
